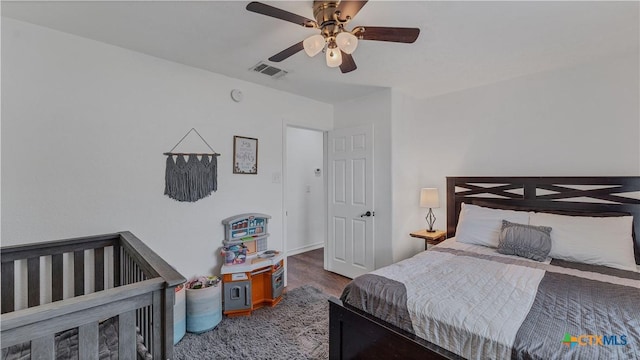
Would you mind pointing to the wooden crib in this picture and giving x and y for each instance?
(113, 276)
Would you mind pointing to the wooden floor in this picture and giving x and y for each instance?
(308, 268)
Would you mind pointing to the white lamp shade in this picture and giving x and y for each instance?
(334, 57)
(429, 198)
(313, 44)
(347, 42)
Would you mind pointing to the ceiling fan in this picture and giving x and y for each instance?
(338, 43)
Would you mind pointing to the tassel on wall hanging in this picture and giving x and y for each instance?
(193, 178)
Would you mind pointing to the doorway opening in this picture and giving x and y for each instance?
(304, 190)
(305, 211)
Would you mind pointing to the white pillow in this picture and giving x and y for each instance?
(481, 226)
(590, 240)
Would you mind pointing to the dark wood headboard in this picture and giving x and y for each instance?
(573, 194)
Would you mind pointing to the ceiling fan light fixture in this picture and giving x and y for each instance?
(334, 56)
(313, 44)
(347, 42)
(331, 17)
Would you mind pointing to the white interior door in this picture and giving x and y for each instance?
(350, 173)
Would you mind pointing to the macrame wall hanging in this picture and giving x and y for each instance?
(193, 178)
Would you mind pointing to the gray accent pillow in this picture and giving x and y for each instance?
(529, 241)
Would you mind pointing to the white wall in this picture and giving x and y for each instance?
(579, 121)
(375, 109)
(84, 126)
(305, 192)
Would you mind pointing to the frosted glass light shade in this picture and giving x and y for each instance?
(313, 44)
(429, 198)
(347, 42)
(334, 57)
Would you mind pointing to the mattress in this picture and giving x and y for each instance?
(480, 304)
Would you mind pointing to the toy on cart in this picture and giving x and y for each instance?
(248, 229)
(234, 254)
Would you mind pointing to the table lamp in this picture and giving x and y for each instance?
(429, 199)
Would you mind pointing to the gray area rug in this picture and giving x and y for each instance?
(296, 328)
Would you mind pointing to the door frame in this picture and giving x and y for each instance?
(325, 210)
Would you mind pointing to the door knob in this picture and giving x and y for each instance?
(368, 213)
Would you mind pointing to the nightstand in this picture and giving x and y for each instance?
(432, 238)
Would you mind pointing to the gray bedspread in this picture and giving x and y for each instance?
(385, 298)
(562, 311)
(577, 306)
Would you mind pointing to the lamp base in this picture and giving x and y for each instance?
(430, 231)
(431, 219)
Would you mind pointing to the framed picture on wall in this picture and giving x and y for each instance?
(245, 155)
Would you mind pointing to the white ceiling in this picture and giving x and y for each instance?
(461, 44)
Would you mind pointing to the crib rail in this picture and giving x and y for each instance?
(48, 319)
(105, 276)
(32, 254)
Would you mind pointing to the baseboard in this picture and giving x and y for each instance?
(300, 250)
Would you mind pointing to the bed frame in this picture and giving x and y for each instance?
(354, 334)
(126, 279)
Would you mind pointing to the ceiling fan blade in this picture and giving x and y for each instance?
(287, 52)
(394, 34)
(269, 10)
(348, 64)
(350, 8)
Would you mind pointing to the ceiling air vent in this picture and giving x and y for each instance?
(267, 69)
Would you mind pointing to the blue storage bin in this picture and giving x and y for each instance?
(179, 314)
(204, 308)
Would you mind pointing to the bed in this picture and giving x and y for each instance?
(106, 296)
(461, 300)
